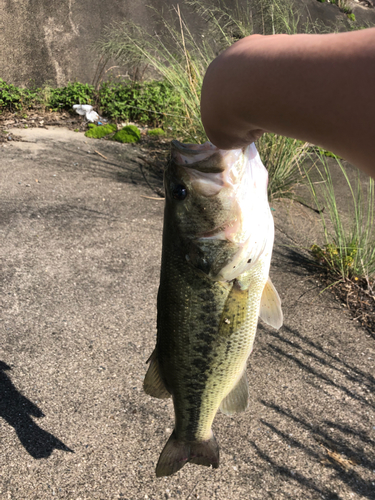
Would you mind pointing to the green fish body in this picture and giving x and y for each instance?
(214, 284)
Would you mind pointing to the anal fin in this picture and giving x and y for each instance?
(270, 306)
(238, 398)
(153, 384)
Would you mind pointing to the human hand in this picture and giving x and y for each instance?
(224, 97)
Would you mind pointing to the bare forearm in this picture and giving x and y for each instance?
(317, 88)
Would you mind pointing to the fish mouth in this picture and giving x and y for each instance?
(226, 231)
(214, 233)
(221, 232)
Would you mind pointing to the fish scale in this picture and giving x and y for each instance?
(186, 341)
(235, 344)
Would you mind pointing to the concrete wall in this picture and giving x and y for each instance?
(50, 41)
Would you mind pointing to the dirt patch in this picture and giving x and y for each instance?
(358, 298)
(42, 119)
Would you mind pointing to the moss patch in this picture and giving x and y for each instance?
(100, 131)
(157, 132)
(130, 133)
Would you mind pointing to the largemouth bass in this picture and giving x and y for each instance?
(217, 245)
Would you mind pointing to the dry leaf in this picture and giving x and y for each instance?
(346, 463)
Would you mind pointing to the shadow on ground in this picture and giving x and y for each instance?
(17, 411)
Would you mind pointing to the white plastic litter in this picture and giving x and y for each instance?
(88, 111)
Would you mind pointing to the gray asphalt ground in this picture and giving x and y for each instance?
(80, 257)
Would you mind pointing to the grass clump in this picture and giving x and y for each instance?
(130, 133)
(97, 132)
(156, 132)
(348, 252)
(282, 157)
(343, 5)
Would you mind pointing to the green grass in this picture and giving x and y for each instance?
(343, 5)
(180, 57)
(348, 252)
(282, 157)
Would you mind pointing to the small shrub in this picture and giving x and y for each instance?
(98, 132)
(336, 258)
(282, 158)
(73, 93)
(130, 133)
(15, 98)
(144, 103)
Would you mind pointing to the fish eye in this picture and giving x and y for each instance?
(179, 192)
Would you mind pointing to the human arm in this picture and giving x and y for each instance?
(317, 88)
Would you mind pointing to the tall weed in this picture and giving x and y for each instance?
(282, 157)
(349, 249)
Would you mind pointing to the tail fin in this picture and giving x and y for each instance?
(177, 453)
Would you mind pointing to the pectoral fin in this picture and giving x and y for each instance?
(270, 306)
(153, 384)
(238, 399)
